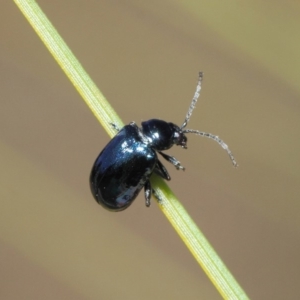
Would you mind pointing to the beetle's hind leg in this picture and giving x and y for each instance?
(172, 160)
(159, 199)
(148, 191)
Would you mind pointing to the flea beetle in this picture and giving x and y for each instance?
(125, 165)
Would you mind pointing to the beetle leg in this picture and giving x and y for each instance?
(172, 160)
(161, 171)
(115, 127)
(159, 199)
(148, 192)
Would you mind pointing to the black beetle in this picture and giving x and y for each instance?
(125, 165)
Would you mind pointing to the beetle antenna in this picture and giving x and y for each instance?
(194, 101)
(216, 139)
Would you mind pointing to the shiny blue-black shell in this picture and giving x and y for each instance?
(122, 169)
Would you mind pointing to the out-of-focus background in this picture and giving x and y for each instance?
(57, 243)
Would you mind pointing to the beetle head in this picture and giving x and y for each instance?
(163, 135)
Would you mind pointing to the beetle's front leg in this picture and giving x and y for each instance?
(172, 160)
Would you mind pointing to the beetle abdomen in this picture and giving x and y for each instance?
(121, 170)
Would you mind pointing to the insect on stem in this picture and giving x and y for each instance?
(125, 165)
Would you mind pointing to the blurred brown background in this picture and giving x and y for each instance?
(57, 243)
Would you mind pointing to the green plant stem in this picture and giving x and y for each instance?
(169, 204)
